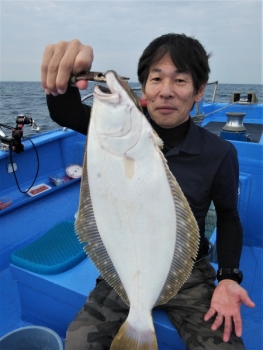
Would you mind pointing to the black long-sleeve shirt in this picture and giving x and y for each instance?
(205, 166)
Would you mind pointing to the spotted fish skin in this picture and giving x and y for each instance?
(141, 233)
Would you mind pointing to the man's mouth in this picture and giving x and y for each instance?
(165, 109)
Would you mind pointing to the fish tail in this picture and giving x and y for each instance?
(130, 338)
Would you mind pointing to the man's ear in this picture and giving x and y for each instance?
(199, 95)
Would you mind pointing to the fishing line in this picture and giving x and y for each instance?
(12, 165)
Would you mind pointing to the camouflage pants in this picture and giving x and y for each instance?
(100, 318)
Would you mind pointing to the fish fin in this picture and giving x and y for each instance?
(87, 232)
(186, 245)
(130, 338)
(156, 139)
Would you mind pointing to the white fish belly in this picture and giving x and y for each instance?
(135, 215)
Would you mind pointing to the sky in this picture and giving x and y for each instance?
(119, 31)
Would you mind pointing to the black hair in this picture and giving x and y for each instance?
(187, 54)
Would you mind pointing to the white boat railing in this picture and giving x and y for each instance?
(215, 89)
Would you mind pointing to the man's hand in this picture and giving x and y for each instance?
(60, 61)
(225, 305)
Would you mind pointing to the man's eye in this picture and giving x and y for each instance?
(179, 81)
(156, 79)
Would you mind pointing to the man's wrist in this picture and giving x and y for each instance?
(230, 273)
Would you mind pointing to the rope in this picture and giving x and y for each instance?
(220, 109)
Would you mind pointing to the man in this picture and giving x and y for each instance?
(173, 71)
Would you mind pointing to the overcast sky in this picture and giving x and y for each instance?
(119, 31)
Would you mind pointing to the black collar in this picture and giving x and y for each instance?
(182, 138)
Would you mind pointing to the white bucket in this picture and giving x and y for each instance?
(31, 338)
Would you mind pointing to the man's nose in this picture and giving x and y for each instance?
(167, 89)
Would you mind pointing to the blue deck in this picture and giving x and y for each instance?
(53, 300)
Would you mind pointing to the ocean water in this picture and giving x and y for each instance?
(29, 98)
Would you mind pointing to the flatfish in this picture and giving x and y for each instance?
(141, 233)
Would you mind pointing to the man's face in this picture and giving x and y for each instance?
(169, 93)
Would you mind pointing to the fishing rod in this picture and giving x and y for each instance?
(13, 143)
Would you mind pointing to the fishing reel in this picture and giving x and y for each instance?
(14, 142)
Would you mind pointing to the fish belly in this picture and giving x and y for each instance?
(135, 215)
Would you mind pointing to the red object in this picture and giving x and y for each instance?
(143, 102)
(38, 190)
(4, 205)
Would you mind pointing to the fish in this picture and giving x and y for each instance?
(142, 235)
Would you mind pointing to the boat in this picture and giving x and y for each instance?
(44, 280)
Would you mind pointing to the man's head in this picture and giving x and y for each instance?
(187, 54)
(173, 71)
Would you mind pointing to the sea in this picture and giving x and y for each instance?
(29, 98)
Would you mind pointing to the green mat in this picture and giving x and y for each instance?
(56, 251)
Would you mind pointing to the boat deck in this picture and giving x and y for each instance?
(254, 131)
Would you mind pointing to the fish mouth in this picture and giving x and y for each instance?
(108, 93)
(117, 90)
(103, 91)
(114, 83)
